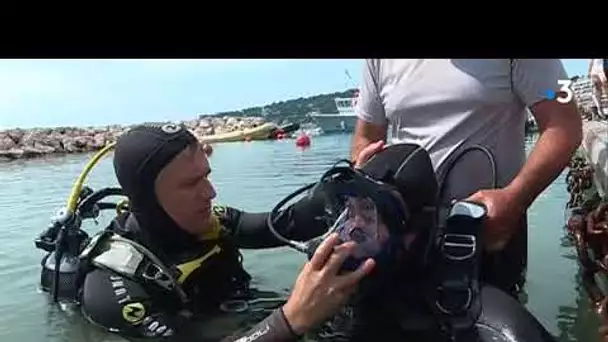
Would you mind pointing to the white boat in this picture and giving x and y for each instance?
(343, 121)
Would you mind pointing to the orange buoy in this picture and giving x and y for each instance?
(208, 150)
(247, 138)
(303, 140)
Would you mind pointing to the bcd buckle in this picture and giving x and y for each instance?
(155, 274)
(459, 247)
(455, 292)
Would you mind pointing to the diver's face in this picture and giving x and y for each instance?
(364, 226)
(367, 228)
(185, 192)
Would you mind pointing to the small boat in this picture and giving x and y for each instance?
(262, 132)
(344, 121)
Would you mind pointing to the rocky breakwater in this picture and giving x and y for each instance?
(32, 143)
(20, 143)
(217, 125)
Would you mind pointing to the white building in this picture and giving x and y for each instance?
(583, 91)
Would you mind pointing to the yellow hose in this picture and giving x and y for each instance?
(77, 187)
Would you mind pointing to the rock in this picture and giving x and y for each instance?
(204, 124)
(99, 141)
(16, 134)
(6, 143)
(21, 143)
(231, 122)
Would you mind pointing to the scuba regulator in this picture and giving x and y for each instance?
(64, 239)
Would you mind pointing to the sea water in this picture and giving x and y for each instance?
(252, 176)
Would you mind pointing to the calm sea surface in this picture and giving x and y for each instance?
(252, 176)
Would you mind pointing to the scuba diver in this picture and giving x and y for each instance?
(424, 283)
(170, 256)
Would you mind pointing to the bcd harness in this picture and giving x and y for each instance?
(132, 260)
(454, 291)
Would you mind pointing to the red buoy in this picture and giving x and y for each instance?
(303, 141)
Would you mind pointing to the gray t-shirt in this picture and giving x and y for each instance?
(446, 105)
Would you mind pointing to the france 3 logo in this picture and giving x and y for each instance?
(565, 94)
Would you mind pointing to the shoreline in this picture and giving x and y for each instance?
(31, 143)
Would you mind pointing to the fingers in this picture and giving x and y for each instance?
(476, 198)
(337, 258)
(325, 249)
(355, 277)
(367, 153)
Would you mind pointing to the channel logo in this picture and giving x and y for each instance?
(565, 92)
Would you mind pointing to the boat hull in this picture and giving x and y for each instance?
(335, 123)
(262, 132)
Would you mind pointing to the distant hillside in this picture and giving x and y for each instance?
(293, 110)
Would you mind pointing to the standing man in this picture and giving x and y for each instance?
(446, 105)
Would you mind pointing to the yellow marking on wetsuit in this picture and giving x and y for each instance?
(133, 312)
(187, 268)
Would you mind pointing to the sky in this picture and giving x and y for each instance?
(47, 93)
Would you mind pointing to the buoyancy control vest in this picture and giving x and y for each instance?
(198, 279)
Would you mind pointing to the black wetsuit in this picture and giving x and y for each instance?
(134, 310)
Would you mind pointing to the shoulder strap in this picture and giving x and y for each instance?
(455, 280)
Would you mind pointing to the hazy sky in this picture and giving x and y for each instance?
(98, 92)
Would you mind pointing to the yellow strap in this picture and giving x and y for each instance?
(214, 232)
(187, 268)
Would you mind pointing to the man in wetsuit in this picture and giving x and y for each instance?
(164, 172)
(447, 105)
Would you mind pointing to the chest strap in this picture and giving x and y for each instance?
(455, 288)
(133, 261)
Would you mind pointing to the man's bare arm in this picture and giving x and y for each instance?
(560, 127)
(371, 123)
(365, 134)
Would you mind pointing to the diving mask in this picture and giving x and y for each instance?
(359, 223)
(357, 207)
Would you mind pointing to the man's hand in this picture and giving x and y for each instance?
(366, 134)
(319, 291)
(504, 215)
(368, 152)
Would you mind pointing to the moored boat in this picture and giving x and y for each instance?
(261, 132)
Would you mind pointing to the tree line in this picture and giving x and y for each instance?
(293, 110)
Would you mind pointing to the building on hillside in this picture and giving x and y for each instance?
(583, 92)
